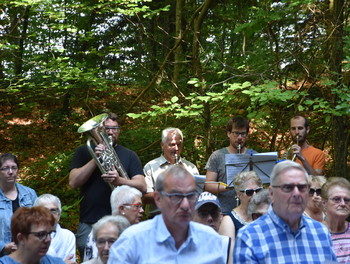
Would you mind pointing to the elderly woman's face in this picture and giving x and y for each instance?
(247, 190)
(338, 203)
(106, 236)
(53, 208)
(133, 212)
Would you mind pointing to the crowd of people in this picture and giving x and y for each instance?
(298, 217)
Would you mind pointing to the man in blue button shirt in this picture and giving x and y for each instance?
(284, 234)
(170, 237)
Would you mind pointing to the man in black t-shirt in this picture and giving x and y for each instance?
(94, 186)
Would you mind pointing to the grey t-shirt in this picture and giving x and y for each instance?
(216, 163)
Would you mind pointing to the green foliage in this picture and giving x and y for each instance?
(50, 175)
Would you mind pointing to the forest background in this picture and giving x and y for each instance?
(191, 64)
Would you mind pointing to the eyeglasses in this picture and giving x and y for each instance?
(54, 211)
(177, 198)
(113, 128)
(287, 188)
(138, 206)
(237, 134)
(250, 192)
(313, 191)
(6, 169)
(337, 200)
(42, 235)
(102, 242)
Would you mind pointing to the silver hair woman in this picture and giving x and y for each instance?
(336, 198)
(63, 243)
(125, 201)
(105, 232)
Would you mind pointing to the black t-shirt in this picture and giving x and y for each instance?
(95, 192)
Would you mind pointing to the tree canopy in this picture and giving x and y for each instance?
(171, 63)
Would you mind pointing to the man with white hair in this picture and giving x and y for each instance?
(171, 144)
(284, 234)
(63, 242)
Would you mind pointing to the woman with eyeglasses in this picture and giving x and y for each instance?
(12, 196)
(246, 185)
(336, 199)
(31, 231)
(105, 232)
(314, 207)
(125, 201)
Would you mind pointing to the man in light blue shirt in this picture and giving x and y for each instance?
(284, 234)
(170, 237)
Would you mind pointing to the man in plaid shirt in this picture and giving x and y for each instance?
(284, 235)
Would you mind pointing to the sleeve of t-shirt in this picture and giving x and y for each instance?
(212, 163)
(319, 161)
(80, 158)
(135, 166)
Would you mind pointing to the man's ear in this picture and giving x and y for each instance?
(156, 197)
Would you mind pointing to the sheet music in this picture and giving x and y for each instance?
(261, 163)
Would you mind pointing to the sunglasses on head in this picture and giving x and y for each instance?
(250, 192)
(313, 191)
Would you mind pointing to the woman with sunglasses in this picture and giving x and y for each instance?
(246, 185)
(314, 207)
(12, 196)
(31, 231)
(336, 199)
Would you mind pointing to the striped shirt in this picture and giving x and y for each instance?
(270, 240)
(341, 244)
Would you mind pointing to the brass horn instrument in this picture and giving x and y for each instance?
(108, 157)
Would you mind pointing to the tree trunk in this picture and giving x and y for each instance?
(340, 124)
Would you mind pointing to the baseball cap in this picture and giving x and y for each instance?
(207, 197)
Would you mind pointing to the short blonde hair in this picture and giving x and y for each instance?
(241, 178)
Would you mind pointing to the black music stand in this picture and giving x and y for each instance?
(261, 163)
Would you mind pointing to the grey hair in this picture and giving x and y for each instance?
(177, 170)
(46, 197)
(284, 166)
(119, 221)
(241, 178)
(262, 197)
(123, 195)
(172, 130)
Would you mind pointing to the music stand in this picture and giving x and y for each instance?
(261, 163)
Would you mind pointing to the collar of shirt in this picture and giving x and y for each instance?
(283, 225)
(164, 161)
(163, 234)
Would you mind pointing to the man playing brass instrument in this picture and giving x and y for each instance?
(171, 144)
(311, 158)
(94, 186)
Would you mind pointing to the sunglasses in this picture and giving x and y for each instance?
(250, 192)
(313, 191)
